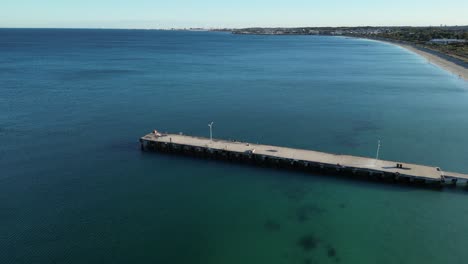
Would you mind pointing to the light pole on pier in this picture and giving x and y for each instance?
(378, 149)
(211, 130)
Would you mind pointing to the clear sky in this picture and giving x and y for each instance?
(233, 13)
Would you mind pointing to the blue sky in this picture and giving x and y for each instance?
(234, 13)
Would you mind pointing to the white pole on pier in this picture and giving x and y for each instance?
(211, 130)
(378, 149)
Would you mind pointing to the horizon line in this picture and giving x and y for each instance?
(233, 28)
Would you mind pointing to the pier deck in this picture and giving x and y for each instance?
(300, 156)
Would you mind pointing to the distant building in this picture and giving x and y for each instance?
(446, 41)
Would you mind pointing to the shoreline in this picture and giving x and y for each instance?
(438, 59)
(453, 65)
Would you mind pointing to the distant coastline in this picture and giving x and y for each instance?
(445, 47)
(448, 63)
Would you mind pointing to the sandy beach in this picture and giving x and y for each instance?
(458, 70)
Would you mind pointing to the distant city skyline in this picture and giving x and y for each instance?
(148, 14)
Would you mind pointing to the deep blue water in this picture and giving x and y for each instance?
(75, 188)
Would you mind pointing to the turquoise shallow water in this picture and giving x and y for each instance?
(75, 188)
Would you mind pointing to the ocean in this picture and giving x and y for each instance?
(75, 187)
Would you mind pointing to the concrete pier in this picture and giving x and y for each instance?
(299, 158)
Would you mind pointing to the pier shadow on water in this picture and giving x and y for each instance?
(369, 180)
